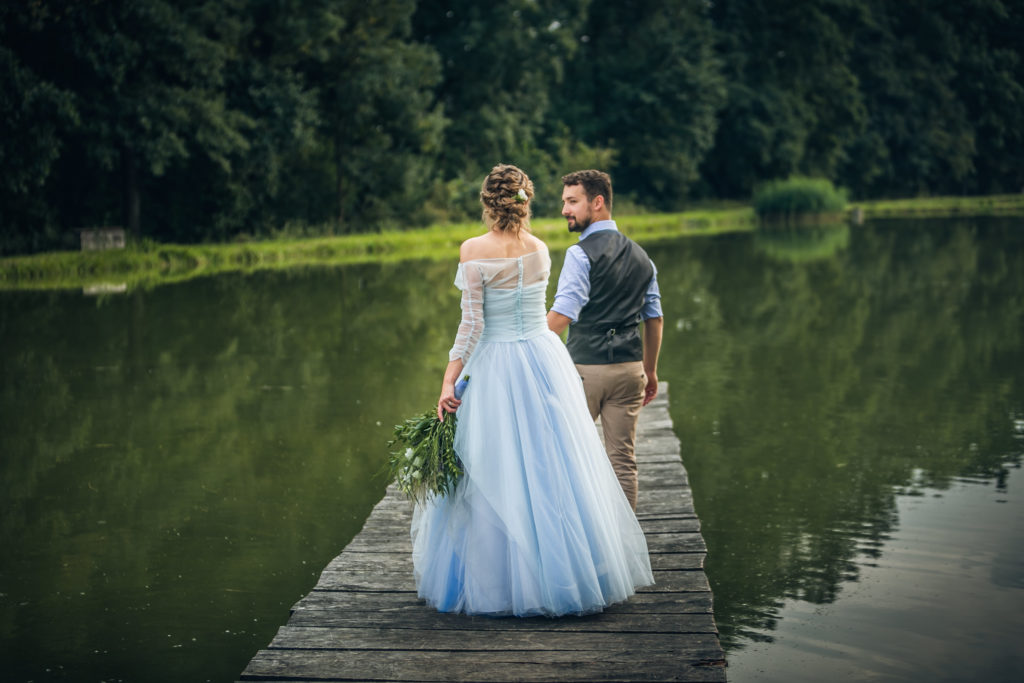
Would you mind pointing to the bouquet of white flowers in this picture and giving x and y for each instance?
(425, 462)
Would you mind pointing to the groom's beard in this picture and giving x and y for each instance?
(579, 224)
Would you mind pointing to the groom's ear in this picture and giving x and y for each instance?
(599, 202)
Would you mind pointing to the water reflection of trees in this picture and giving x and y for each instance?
(184, 460)
(809, 394)
(802, 243)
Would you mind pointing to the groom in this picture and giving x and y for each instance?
(607, 287)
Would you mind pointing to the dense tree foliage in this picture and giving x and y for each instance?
(647, 83)
(207, 120)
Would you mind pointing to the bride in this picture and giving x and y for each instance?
(538, 524)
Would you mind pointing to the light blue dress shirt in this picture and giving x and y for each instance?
(574, 280)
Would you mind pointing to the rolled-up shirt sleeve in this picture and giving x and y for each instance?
(652, 298)
(574, 284)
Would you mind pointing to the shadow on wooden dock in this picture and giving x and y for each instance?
(364, 622)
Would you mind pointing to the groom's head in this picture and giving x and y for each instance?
(586, 198)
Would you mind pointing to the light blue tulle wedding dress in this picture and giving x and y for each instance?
(538, 525)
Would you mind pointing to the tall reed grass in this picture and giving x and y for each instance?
(799, 199)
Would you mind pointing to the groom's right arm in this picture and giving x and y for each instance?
(573, 291)
(558, 322)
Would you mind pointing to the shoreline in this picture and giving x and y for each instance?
(150, 264)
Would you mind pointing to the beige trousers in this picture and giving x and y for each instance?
(616, 393)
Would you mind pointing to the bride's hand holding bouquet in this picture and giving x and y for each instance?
(428, 465)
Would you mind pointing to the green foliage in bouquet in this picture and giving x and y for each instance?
(425, 462)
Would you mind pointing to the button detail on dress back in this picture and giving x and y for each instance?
(519, 298)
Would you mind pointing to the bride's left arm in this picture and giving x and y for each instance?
(470, 281)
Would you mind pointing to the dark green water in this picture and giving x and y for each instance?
(179, 464)
(851, 411)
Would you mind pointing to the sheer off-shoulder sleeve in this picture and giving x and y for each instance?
(469, 279)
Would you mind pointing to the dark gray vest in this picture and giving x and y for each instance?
(607, 330)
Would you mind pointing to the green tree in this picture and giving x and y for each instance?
(989, 81)
(268, 180)
(501, 64)
(379, 121)
(342, 131)
(647, 83)
(793, 101)
(199, 120)
(145, 80)
(35, 112)
(919, 139)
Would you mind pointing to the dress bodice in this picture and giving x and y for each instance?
(514, 314)
(503, 299)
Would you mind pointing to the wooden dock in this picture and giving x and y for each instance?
(364, 622)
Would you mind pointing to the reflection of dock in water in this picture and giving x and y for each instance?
(363, 620)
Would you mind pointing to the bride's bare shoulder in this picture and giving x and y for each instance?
(475, 248)
(537, 243)
(492, 246)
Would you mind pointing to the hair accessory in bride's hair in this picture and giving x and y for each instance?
(521, 196)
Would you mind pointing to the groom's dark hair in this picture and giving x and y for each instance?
(594, 183)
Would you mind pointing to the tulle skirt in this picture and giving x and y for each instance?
(538, 525)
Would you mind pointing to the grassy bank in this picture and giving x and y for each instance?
(151, 264)
(938, 207)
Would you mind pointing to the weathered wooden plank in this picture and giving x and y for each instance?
(375, 542)
(657, 423)
(677, 580)
(390, 534)
(662, 448)
(665, 481)
(390, 514)
(665, 498)
(393, 507)
(427, 618)
(390, 580)
(668, 515)
(401, 563)
(666, 467)
(371, 562)
(659, 458)
(676, 542)
(383, 604)
(478, 640)
(663, 511)
(693, 560)
(372, 540)
(555, 667)
(669, 525)
(396, 536)
(395, 520)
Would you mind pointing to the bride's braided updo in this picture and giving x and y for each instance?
(506, 195)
